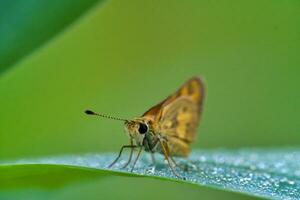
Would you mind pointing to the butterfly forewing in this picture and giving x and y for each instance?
(177, 117)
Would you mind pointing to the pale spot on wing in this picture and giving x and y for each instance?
(167, 124)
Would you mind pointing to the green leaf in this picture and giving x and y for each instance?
(269, 173)
(25, 25)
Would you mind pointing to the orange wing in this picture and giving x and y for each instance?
(178, 115)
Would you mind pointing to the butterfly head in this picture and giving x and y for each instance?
(137, 129)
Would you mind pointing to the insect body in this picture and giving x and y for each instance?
(167, 128)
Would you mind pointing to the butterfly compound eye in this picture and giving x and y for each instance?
(143, 128)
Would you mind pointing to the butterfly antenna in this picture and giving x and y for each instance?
(89, 112)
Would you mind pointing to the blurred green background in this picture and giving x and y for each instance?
(122, 57)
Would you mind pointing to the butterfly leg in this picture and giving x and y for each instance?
(178, 146)
(182, 167)
(137, 157)
(153, 158)
(130, 155)
(173, 161)
(120, 153)
(151, 149)
(166, 154)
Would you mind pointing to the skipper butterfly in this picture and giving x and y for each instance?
(168, 127)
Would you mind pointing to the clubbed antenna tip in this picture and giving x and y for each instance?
(89, 112)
